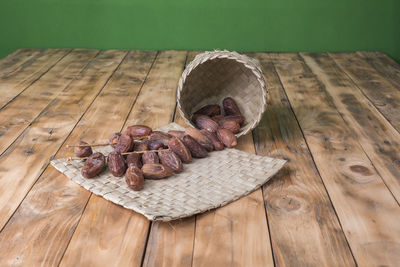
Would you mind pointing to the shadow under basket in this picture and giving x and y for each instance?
(212, 76)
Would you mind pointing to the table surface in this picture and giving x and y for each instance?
(334, 116)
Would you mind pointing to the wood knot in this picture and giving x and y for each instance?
(289, 204)
(361, 169)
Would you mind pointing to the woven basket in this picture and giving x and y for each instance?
(212, 76)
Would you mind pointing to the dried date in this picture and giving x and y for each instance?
(230, 106)
(156, 171)
(218, 145)
(113, 141)
(237, 118)
(149, 157)
(177, 146)
(170, 159)
(125, 144)
(217, 118)
(209, 110)
(230, 125)
(205, 122)
(200, 138)
(116, 164)
(136, 131)
(160, 136)
(134, 177)
(135, 159)
(94, 165)
(226, 137)
(83, 151)
(155, 145)
(142, 146)
(195, 148)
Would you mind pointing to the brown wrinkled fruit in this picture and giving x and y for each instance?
(160, 136)
(134, 178)
(155, 145)
(230, 125)
(125, 144)
(230, 107)
(195, 148)
(218, 145)
(177, 146)
(116, 164)
(83, 151)
(209, 110)
(237, 118)
(135, 159)
(217, 118)
(113, 141)
(178, 134)
(136, 131)
(142, 146)
(170, 159)
(226, 137)
(205, 122)
(156, 171)
(195, 116)
(150, 157)
(200, 138)
(94, 165)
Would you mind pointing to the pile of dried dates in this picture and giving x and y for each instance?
(141, 153)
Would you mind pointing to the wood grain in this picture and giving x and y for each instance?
(366, 209)
(16, 81)
(20, 113)
(19, 57)
(58, 200)
(378, 90)
(174, 243)
(171, 243)
(235, 234)
(303, 225)
(154, 107)
(379, 140)
(41, 140)
(384, 65)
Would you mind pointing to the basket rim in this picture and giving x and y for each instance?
(248, 62)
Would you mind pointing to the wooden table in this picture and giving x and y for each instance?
(335, 117)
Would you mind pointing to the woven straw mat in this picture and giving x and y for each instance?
(205, 184)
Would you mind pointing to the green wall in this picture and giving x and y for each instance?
(252, 25)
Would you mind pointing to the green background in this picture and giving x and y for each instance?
(253, 25)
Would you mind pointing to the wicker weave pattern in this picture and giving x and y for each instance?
(212, 76)
(205, 184)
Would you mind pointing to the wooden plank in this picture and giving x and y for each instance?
(41, 140)
(154, 107)
(172, 243)
(384, 96)
(48, 216)
(236, 234)
(379, 140)
(17, 115)
(16, 81)
(19, 57)
(384, 65)
(303, 225)
(367, 211)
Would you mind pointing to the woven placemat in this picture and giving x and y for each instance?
(205, 184)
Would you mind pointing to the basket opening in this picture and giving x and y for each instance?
(213, 80)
